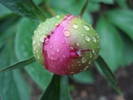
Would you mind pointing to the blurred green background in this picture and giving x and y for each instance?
(113, 21)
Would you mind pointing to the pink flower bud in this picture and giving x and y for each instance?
(65, 44)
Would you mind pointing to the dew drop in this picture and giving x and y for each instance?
(41, 40)
(75, 26)
(86, 67)
(83, 60)
(71, 48)
(34, 42)
(56, 24)
(93, 51)
(52, 58)
(67, 33)
(38, 57)
(94, 39)
(63, 42)
(58, 17)
(86, 28)
(77, 44)
(37, 51)
(90, 55)
(87, 39)
(64, 56)
(57, 50)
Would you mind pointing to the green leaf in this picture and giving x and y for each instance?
(24, 8)
(123, 19)
(12, 85)
(108, 74)
(111, 44)
(18, 64)
(64, 89)
(103, 1)
(4, 11)
(22, 87)
(107, 1)
(93, 6)
(37, 2)
(53, 90)
(85, 77)
(57, 89)
(87, 17)
(83, 8)
(5, 23)
(122, 3)
(128, 51)
(24, 50)
(61, 5)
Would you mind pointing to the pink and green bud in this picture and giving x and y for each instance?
(65, 44)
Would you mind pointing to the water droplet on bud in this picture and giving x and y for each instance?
(94, 39)
(87, 39)
(86, 67)
(86, 28)
(41, 40)
(75, 26)
(57, 50)
(64, 56)
(83, 60)
(67, 33)
(58, 17)
(77, 44)
(34, 42)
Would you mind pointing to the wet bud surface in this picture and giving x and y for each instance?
(65, 44)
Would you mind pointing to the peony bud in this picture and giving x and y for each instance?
(65, 44)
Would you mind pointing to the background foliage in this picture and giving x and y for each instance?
(18, 20)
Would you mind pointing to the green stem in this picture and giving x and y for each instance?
(48, 9)
(18, 64)
(38, 12)
(83, 8)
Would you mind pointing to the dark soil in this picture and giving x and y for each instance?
(100, 90)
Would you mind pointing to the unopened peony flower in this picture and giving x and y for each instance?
(65, 44)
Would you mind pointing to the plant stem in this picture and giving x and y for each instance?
(83, 8)
(18, 64)
(50, 10)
